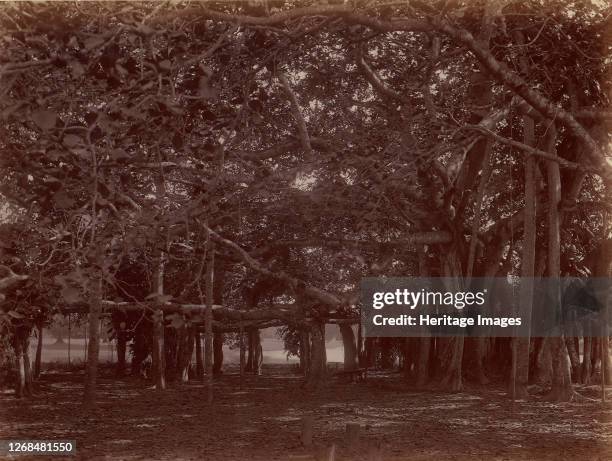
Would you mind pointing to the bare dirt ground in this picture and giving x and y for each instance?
(262, 421)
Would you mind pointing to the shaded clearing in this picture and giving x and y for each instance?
(262, 421)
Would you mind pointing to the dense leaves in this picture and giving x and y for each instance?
(328, 141)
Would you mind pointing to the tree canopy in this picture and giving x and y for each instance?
(313, 142)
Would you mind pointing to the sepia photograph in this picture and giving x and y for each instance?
(315, 230)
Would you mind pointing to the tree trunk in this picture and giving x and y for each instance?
(596, 355)
(159, 359)
(20, 390)
(242, 355)
(186, 352)
(121, 349)
(574, 357)
(386, 353)
(350, 348)
(501, 358)
(199, 361)
(371, 352)
(208, 339)
(473, 361)
(480, 354)
(217, 298)
(218, 340)
(27, 368)
(305, 353)
(423, 361)
(360, 341)
(586, 370)
(318, 362)
(23, 386)
(142, 345)
(159, 329)
(172, 341)
(535, 351)
(409, 357)
(606, 362)
(520, 346)
(452, 356)
(561, 380)
(250, 352)
(424, 344)
(544, 368)
(254, 354)
(93, 348)
(561, 389)
(39, 347)
(180, 347)
(255, 357)
(452, 352)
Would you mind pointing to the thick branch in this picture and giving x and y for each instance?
(419, 238)
(16, 67)
(297, 115)
(295, 284)
(594, 114)
(11, 279)
(542, 104)
(532, 150)
(498, 69)
(482, 186)
(346, 11)
(282, 148)
(285, 313)
(374, 79)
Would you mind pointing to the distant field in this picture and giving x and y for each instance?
(272, 350)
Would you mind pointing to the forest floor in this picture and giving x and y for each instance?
(262, 421)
